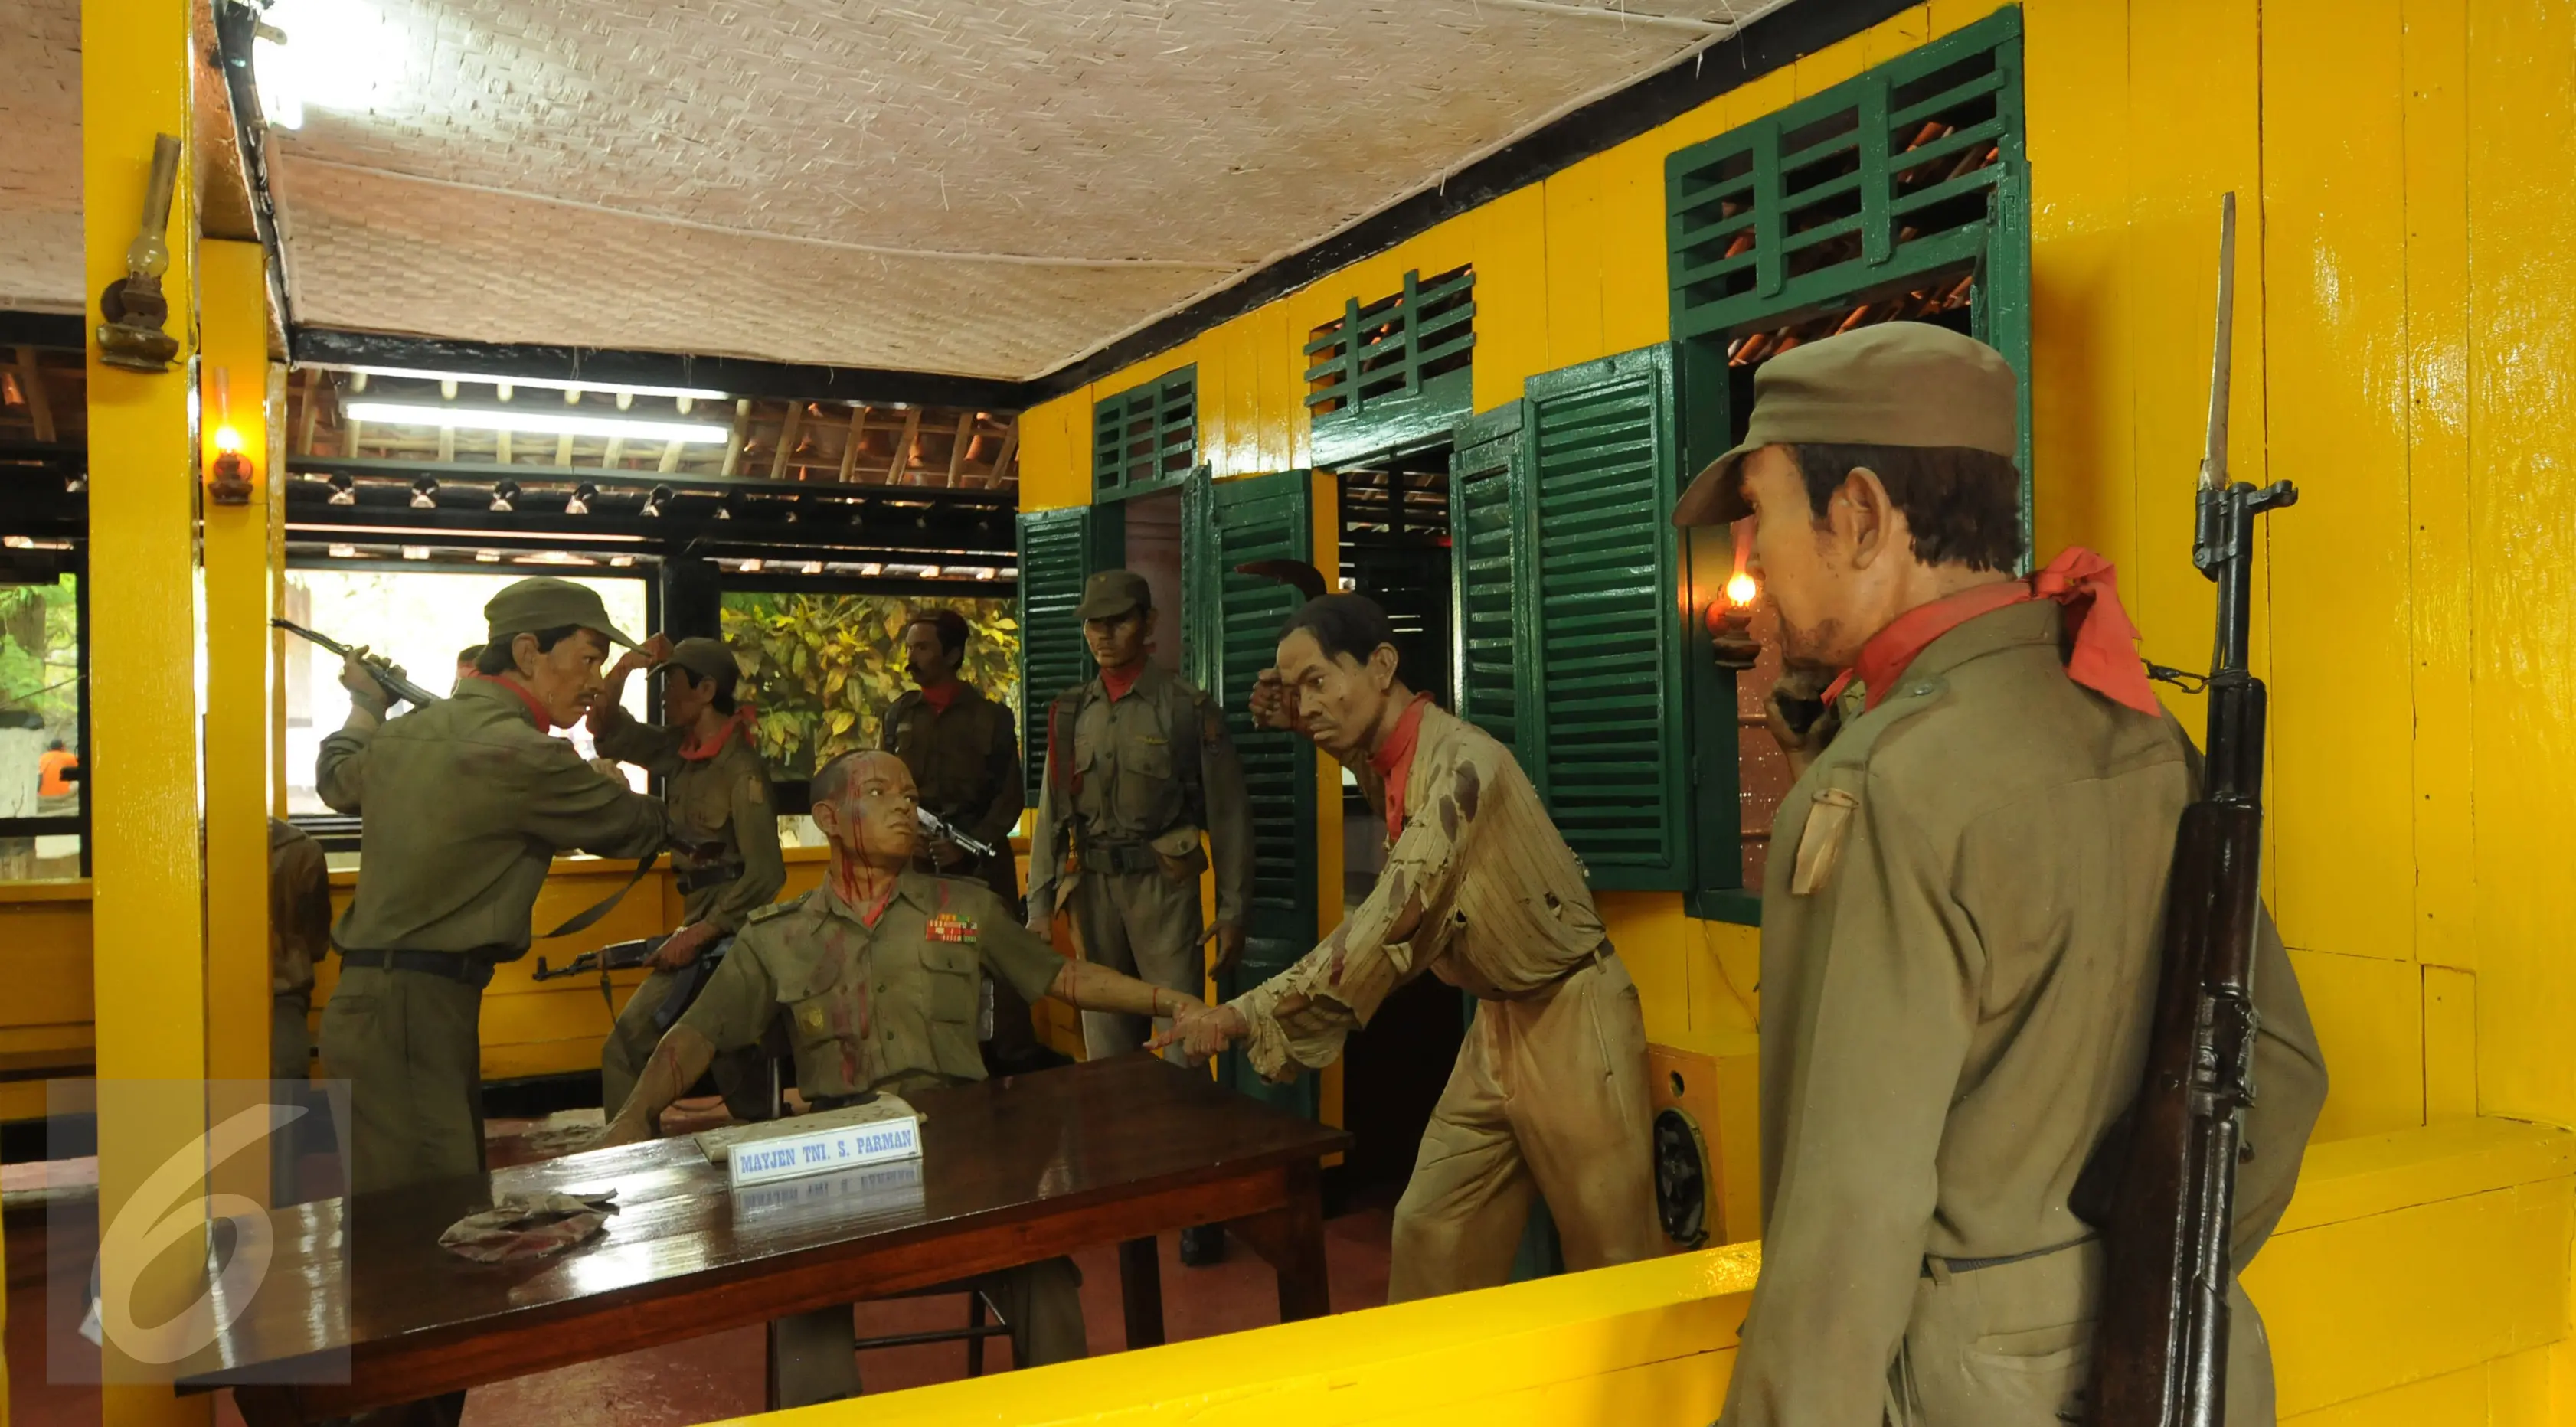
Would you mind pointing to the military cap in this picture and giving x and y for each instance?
(1112, 593)
(535, 605)
(1895, 384)
(704, 657)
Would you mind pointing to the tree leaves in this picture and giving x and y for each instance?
(824, 668)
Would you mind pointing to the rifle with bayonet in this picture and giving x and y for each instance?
(2160, 1350)
(935, 826)
(388, 678)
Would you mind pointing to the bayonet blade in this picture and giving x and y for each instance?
(2213, 459)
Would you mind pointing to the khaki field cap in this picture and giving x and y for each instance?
(1112, 593)
(706, 658)
(535, 606)
(1896, 384)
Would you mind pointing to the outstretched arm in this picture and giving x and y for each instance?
(677, 1062)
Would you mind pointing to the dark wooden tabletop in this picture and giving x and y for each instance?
(362, 1276)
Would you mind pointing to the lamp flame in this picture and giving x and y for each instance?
(1740, 590)
(228, 441)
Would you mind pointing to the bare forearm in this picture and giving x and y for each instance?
(1092, 987)
(682, 1056)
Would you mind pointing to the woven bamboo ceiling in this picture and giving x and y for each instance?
(984, 187)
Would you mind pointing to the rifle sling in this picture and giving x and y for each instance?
(590, 915)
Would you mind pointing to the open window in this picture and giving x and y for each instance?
(44, 614)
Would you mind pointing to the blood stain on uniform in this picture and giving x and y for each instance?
(1468, 790)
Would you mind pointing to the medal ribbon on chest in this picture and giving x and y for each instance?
(950, 927)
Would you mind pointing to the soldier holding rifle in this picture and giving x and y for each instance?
(1959, 931)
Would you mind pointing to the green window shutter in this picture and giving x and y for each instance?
(1393, 372)
(1232, 634)
(1147, 435)
(1485, 515)
(1603, 741)
(1055, 551)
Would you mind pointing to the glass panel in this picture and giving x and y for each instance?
(40, 723)
(824, 668)
(420, 620)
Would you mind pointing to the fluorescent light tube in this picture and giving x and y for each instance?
(552, 423)
(503, 379)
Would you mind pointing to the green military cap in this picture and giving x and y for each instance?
(1112, 593)
(704, 657)
(535, 605)
(1895, 384)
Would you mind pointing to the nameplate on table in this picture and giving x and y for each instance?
(821, 1151)
(889, 1188)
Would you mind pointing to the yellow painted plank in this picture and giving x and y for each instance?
(1511, 295)
(2518, 1390)
(1905, 30)
(2522, 239)
(1814, 74)
(2434, 60)
(2452, 1400)
(1636, 303)
(1055, 466)
(1656, 942)
(2347, 1179)
(2359, 1307)
(1723, 973)
(2370, 1024)
(1574, 221)
(2337, 385)
(2075, 90)
(2450, 1044)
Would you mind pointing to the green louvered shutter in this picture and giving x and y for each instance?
(1485, 516)
(1603, 741)
(1395, 371)
(1232, 634)
(1055, 548)
(1147, 435)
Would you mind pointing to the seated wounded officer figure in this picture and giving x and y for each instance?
(1549, 1093)
(878, 972)
(1961, 913)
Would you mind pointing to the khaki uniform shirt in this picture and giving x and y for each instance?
(966, 762)
(1479, 889)
(299, 907)
(721, 800)
(1128, 786)
(1959, 961)
(467, 802)
(893, 1006)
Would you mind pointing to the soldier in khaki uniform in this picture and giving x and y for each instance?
(1959, 931)
(465, 802)
(876, 972)
(717, 789)
(965, 758)
(1138, 764)
(299, 934)
(1549, 1093)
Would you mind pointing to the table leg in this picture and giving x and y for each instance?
(1291, 1237)
(268, 1406)
(813, 1357)
(1140, 1287)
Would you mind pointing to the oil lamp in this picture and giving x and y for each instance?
(134, 309)
(1730, 620)
(228, 480)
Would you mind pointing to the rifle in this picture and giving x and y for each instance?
(688, 981)
(933, 825)
(2160, 1351)
(616, 956)
(397, 687)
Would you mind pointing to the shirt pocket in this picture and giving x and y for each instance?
(811, 1004)
(955, 977)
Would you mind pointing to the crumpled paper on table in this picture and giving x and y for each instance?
(527, 1226)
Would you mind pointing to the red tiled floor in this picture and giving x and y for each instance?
(720, 1375)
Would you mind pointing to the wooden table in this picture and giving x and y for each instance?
(1013, 1171)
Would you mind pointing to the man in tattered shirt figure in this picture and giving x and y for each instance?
(1549, 1092)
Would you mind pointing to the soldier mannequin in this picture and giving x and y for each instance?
(1959, 928)
(1138, 762)
(717, 789)
(1549, 1092)
(299, 935)
(965, 759)
(874, 923)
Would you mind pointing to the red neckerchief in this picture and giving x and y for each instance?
(2105, 657)
(940, 695)
(1393, 761)
(1119, 681)
(744, 717)
(545, 720)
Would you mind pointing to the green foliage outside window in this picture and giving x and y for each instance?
(40, 654)
(824, 668)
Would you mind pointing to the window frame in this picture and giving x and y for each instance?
(1112, 482)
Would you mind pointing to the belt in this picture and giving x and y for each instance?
(455, 966)
(1119, 857)
(1941, 1266)
(698, 879)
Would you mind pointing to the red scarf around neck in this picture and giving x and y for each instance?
(2105, 657)
(743, 720)
(545, 720)
(1394, 761)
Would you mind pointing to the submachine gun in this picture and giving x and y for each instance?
(2160, 1352)
(390, 679)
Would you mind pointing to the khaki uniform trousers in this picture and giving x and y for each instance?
(2010, 1345)
(742, 1075)
(1148, 926)
(409, 1045)
(814, 1358)
(290, 1042)
(1549, 1094)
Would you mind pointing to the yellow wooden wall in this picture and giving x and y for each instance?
(2402, 352)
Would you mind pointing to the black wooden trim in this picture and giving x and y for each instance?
(739, 376)
(66, 330)
(1769, 43)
